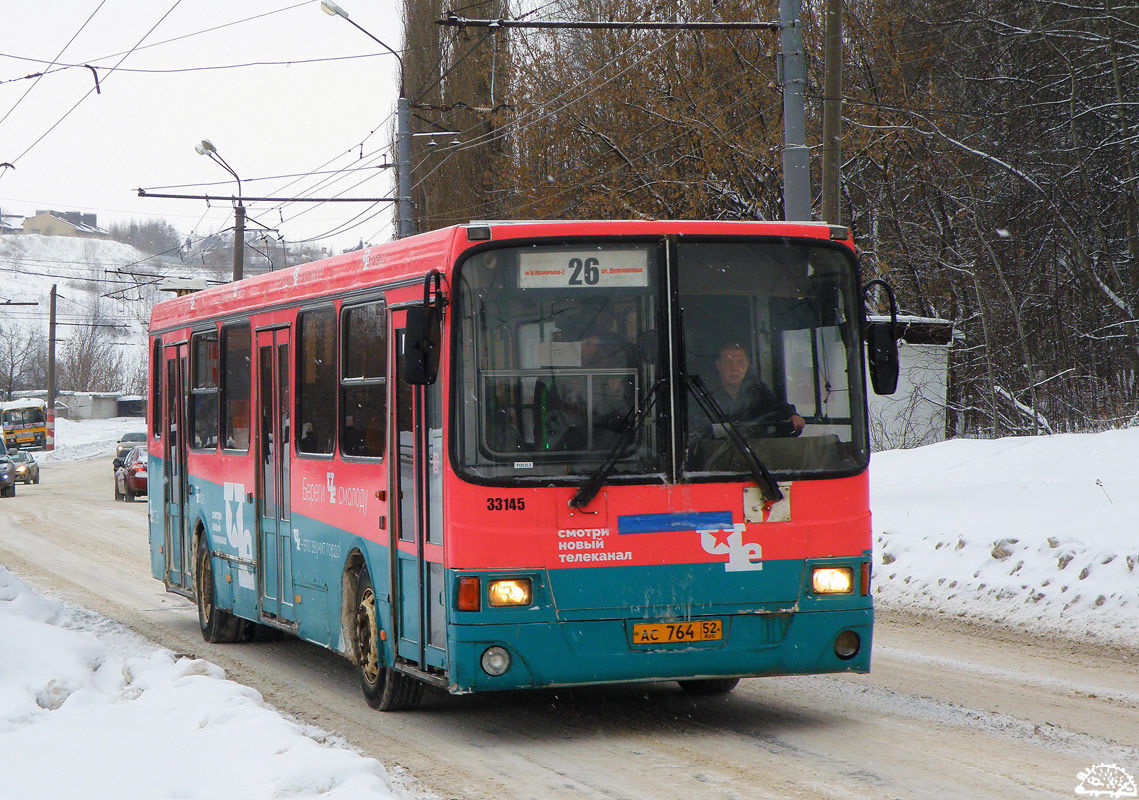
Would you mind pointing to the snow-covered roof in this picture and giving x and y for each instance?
(82, 227)
(921, 330)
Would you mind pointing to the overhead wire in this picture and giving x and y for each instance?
(180, 70)
(74, 36)
(89, 91)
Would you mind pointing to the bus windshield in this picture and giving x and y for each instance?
(558, 347)
(25, 416)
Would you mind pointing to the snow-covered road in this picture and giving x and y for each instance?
(948, 710)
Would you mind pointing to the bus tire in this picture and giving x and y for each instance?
(709, 686)
(218, 625)
(384, 688)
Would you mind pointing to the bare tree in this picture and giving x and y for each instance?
(90, 361)
(19, 349)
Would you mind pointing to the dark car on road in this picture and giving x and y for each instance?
(129, 440)
(7, 473)
(27, 468)
(130, 474)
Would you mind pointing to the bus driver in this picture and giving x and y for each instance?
(745, 398)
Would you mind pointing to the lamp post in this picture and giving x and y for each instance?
(206, 148)
(403, 128)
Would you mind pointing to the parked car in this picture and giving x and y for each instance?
(7, 473)
(130, 474)
(27, 468)
(129, 440)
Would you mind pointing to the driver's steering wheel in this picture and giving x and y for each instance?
(769, 425)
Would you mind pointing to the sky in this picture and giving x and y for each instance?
(1035, 532)
(75, 149)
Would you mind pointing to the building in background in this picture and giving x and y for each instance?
(65, 223)
(915, 414)
(10, 224)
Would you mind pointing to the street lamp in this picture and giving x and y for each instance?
(403, 127)
(206, 148)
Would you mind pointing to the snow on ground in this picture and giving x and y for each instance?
(136, 721)
(76, 440)
(1037, 532)
(1042, 533)
(88, 710)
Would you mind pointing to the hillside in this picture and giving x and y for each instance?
(106, 284)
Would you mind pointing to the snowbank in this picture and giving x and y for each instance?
(1039, 532)
(82, 717)
(78, 440)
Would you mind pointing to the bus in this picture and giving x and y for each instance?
(25, 423)
(492, 457)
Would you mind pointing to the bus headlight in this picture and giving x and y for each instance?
(510, 592)
(495, 661)
(832, 580)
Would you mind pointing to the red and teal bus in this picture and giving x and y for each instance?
(512, 455)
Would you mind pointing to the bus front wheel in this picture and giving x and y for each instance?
(384, 688)
(218, 625)
(709, 686)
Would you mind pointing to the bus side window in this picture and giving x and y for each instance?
(316, 381)
(156, 389)
(236, 355)
(363, 381)
(204, 391)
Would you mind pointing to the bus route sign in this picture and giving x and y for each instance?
(583, 269)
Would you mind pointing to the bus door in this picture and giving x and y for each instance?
(178, 538)
(417, 533)
(273, 507)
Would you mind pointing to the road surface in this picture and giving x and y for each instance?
(948, 711)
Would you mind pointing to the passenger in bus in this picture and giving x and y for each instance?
(352, 442)
(308, 442)
(612, 399)
(743, 397)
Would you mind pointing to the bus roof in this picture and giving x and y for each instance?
(410, 258)
(22, 402)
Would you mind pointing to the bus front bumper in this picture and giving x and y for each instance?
(603, 651)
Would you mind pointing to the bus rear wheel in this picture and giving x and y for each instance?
(218, 626)
(384, 688)
(709, 686)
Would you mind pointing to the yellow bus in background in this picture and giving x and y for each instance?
(25, 423)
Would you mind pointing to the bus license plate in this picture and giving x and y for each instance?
(705, 630)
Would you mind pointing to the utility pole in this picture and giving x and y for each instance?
(403, 125)
(50, 439)
(403, 160)
(238, 240)
(832, 114)
(796, 159)
(792, 75)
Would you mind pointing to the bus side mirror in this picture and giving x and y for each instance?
(421, 346)
(882, 354)
(422, 334)
(882, 344)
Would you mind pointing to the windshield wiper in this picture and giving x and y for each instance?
(763, 479)
(584, 496)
